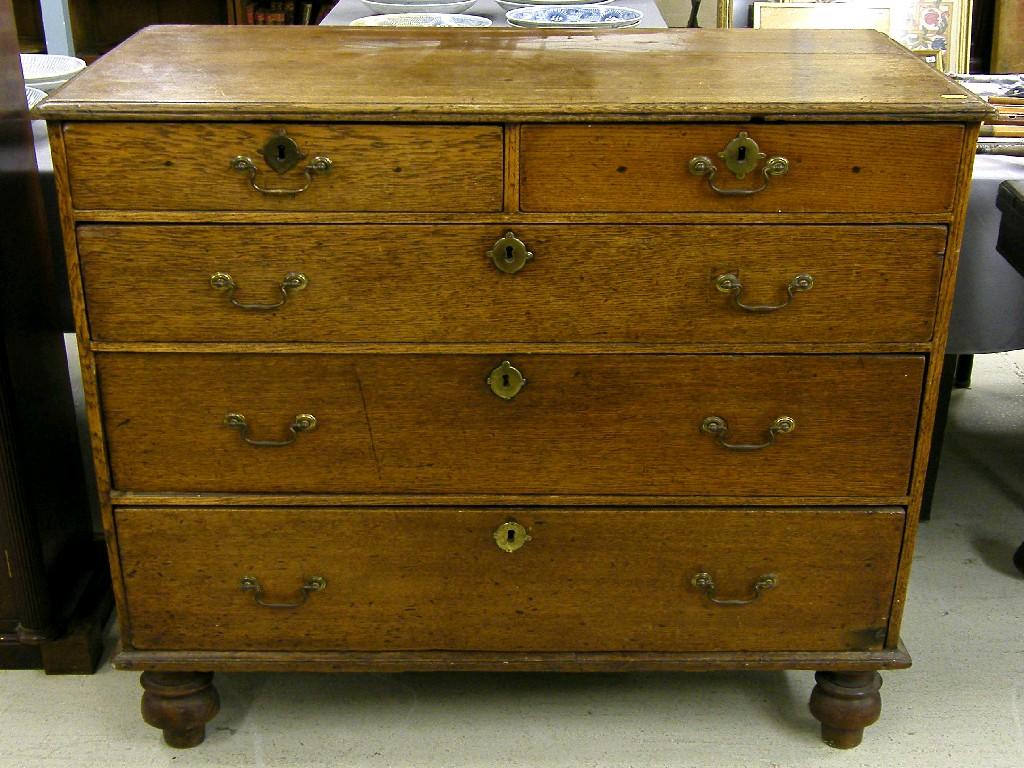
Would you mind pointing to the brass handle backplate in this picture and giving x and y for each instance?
(281, 154)
(510, 536)
(509, 254)
(730, 283)
(741, 156)
(706, 584)
(252, 584)
(303, 422)
(506, 380)
(293, 281)
(718, 428)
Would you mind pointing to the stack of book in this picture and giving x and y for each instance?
(287, 11)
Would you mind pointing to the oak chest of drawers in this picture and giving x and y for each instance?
(511, 350)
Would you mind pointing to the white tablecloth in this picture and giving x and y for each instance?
(988, 310)
(349, 10)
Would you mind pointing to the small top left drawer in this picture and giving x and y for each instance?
(352, 167)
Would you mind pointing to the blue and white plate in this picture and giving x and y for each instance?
(511, 5)
(421, 20)
(581, 16)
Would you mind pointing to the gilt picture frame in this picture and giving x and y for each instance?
(920, 25)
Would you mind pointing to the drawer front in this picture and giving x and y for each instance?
(593, 580)
(583, 283)
(857, 168)
(582, 423)
(188, 166)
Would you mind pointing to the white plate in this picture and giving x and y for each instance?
(48, 86)
(510, 5)
(44, 67)
(421, 20)
(384, 6)
(33, 96)
(575, 17)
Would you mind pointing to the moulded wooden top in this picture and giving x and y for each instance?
(329, 73)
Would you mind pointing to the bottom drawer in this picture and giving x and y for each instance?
(436, 579)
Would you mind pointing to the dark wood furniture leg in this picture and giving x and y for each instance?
(845, 703)
(964, 369)
(180, 704)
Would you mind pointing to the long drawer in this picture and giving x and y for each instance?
(848, 168)
(610, 423)
(191, 167)
(593, 580)
(583, 283)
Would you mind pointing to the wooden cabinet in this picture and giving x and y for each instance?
(407, 364)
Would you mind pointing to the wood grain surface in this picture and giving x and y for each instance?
(857, 168)
(506, 74)
(583, 424)
(584, 284)
(186, 166)
(600, 580)
(505, 661)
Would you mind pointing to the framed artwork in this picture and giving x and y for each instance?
(942, 25)
(920, 25)
(804, 15)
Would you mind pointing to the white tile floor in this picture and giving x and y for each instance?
(960, 705)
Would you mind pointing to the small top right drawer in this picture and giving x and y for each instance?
(888, 168)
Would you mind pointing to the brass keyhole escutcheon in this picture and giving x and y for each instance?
(742, 155)
(509, 254)
(510, 536)
(506, 380)
(282, 153)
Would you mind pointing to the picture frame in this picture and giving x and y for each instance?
(813, 15)
(931, 57)
(935, 25)
(919, 25)
(713, 13)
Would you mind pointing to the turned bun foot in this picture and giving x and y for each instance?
(845, 703)
(1018, 558)
(180, 704)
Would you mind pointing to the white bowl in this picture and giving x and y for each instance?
(33, 96)
(45, 67)
(511, 5)
(385, 6)
(574, 17)
(421, 20)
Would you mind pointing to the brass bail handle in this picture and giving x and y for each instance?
(730, 283)
(718, 428)
(741, 156)
(293, 281)
(706, 584)
(303, 422)
(252, 584)
(281, 153)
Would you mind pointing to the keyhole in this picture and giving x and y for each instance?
(509, 254)
(510, 536)
(505, 384)
(281, 149)
(741, 153)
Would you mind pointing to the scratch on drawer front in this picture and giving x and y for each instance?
(7, 558)
(369, 426)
